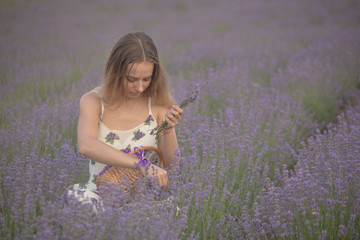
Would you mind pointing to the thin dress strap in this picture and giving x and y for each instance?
(149, 103)
(102, 103)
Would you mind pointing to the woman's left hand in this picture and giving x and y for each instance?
(173, 116)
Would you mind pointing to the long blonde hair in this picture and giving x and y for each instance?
(134, 48)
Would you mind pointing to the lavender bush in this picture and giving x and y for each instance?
(321, 199)
(276, 71)
(333, 62)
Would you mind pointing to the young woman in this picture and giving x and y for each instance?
(132, 100)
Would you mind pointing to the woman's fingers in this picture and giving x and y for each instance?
(164, 183)
(163, 179)
(159, 174)
(178, 109)
(173, 115)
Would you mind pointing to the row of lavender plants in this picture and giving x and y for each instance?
(275, 72)
(321, 198)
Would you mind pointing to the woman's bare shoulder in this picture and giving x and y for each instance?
(90, 101)
(90, 97)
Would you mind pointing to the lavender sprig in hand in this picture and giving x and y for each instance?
(158, 129)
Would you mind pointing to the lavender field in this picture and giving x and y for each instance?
(265, 153)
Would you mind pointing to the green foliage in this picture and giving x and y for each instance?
(211, 105)
(14, 3)
(200, 66)
(220, 27)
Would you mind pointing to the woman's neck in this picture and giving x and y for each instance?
(131, 102)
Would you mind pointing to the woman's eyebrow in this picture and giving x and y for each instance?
(137, 78)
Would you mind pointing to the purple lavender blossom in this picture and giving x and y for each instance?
(192, 98)
(158, 129)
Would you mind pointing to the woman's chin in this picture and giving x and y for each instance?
(133, 95)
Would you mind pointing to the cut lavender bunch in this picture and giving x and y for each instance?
(158, 129)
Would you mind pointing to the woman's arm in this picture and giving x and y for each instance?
(168, 144)
(87, 134)
(169, 148)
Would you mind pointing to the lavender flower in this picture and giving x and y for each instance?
(158, 129)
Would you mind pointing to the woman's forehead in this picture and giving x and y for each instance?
(140, 70)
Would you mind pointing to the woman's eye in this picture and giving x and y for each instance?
(130, 79)
(147, 79)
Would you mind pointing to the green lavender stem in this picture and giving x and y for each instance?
(158, 129)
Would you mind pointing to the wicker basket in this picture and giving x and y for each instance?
(126, 177)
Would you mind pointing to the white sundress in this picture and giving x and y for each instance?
(121, 140)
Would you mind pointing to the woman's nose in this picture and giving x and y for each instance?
(139, 86)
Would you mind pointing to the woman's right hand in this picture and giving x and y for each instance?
(157, 173)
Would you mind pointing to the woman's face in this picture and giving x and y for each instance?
(138, 78)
